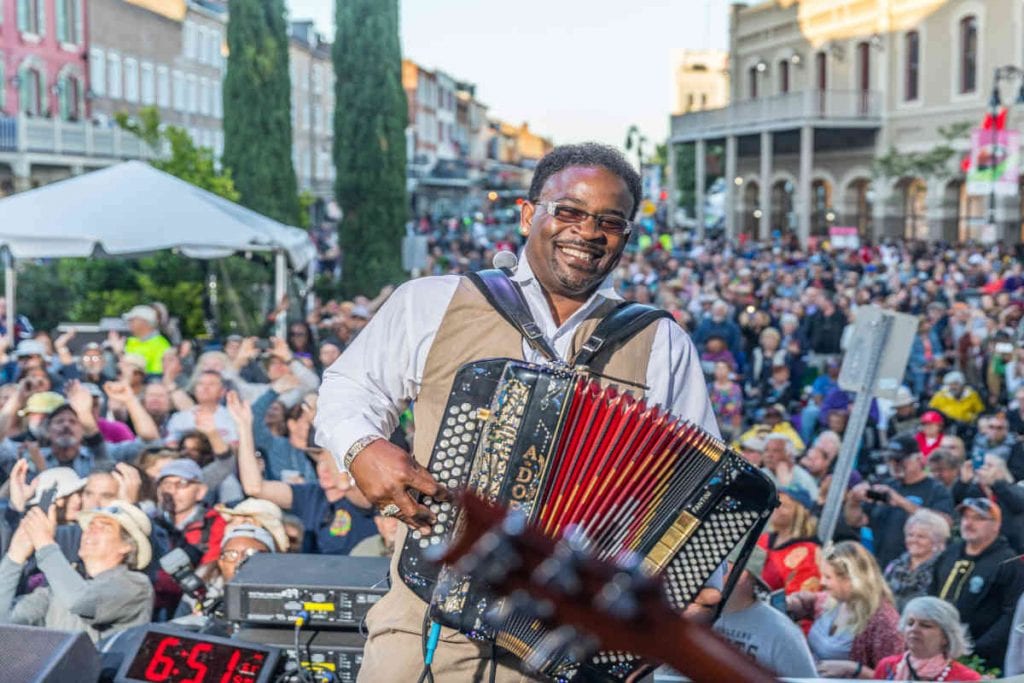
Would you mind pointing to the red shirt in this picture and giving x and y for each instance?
(925, 446)
(886, 671)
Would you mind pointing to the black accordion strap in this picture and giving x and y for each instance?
(617, 328)
(508, 300)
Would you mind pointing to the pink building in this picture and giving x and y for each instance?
(43, 58)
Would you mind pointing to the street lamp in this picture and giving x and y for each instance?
(1002, 73)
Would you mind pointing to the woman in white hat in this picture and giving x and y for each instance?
(115, 593)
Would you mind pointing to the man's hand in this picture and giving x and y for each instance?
(279, 347)
(967, 472)
(859, 493)
(79, 398)
(204, 422)
(40, 526)
(21, 547)
(129, 483)
(385, 473)
(241, 412)
(21, 490)
(120, 392)
(63, 340)
(116, 342)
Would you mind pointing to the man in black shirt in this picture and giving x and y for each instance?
(886, 507)
(982, 576)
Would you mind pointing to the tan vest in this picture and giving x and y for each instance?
(472, 330)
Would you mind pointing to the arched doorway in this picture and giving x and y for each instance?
(971, 212)
(822, 215)
(915, 201)
(858, 206)
(748, 219)
(783, 216)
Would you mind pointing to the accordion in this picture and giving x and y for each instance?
(630, 481)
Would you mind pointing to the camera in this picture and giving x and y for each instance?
(262, 344)
(877, 496)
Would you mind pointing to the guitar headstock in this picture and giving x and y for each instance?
(595, 605)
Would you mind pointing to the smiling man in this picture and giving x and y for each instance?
(577, 221)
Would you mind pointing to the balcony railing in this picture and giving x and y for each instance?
(855, 108)
(54, 136)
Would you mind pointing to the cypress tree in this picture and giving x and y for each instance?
(370, 117)
(257, 110)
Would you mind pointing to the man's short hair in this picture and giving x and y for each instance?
(586, 154)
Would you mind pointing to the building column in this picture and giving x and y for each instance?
(699, 178)
(730, 187)
(764, 224)
(803, 190)
(22, 171)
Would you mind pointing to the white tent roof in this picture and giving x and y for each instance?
(133, 208)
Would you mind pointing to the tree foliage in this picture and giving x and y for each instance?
(257, 110)
(369, 142)
(933, 163)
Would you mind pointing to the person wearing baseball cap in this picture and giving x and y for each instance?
(145, 339)
(113, 595)
(191, 524)
(758, 629)
(929, 436)
(885, 507)
(982, 576)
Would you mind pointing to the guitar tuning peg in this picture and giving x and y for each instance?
(492, 559)
(618, 597)
(559, 571)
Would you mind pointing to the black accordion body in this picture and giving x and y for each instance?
(633, 481)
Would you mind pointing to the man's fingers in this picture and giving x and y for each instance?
(421, 480)
(415, 515)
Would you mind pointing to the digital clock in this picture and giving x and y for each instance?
(168, 655)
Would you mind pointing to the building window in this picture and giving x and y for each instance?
(114, 80)
(752, 81)
(32, 16)
(218, 100)
(148, 78)
(689, 102)
(204, 96)
(131, 79)
(97, 71)
(69, 21)
(163, 86)
(178, 90)
(911, 65)
(968, 54)
(190, 40)
(784, 76)
(821, 70)
(33, 89)
(69, 89)
(3, 81)
(192, 96)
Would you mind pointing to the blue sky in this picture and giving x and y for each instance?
(575, 69)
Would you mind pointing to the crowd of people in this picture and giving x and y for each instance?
(116, 452)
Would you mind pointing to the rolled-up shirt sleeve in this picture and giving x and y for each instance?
(676, 379)
(363, 392)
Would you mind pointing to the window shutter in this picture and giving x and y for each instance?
(41, 5)
(62, 22)
(23, 6)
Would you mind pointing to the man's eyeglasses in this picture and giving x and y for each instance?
(234, 556)
(174, 484)
(608, 222)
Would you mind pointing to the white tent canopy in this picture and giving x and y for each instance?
(131, 209)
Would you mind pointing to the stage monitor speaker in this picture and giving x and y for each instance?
(38, 655)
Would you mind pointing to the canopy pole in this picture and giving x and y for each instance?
(10, 289)
(310, 282)
(280, 290)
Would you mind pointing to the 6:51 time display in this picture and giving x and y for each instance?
(166, 656)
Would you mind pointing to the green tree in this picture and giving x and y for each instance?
(257, 110)
(369, 142)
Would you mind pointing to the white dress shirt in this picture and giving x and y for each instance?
(364, 390)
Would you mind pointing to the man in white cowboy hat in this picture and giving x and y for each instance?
(113, 596)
